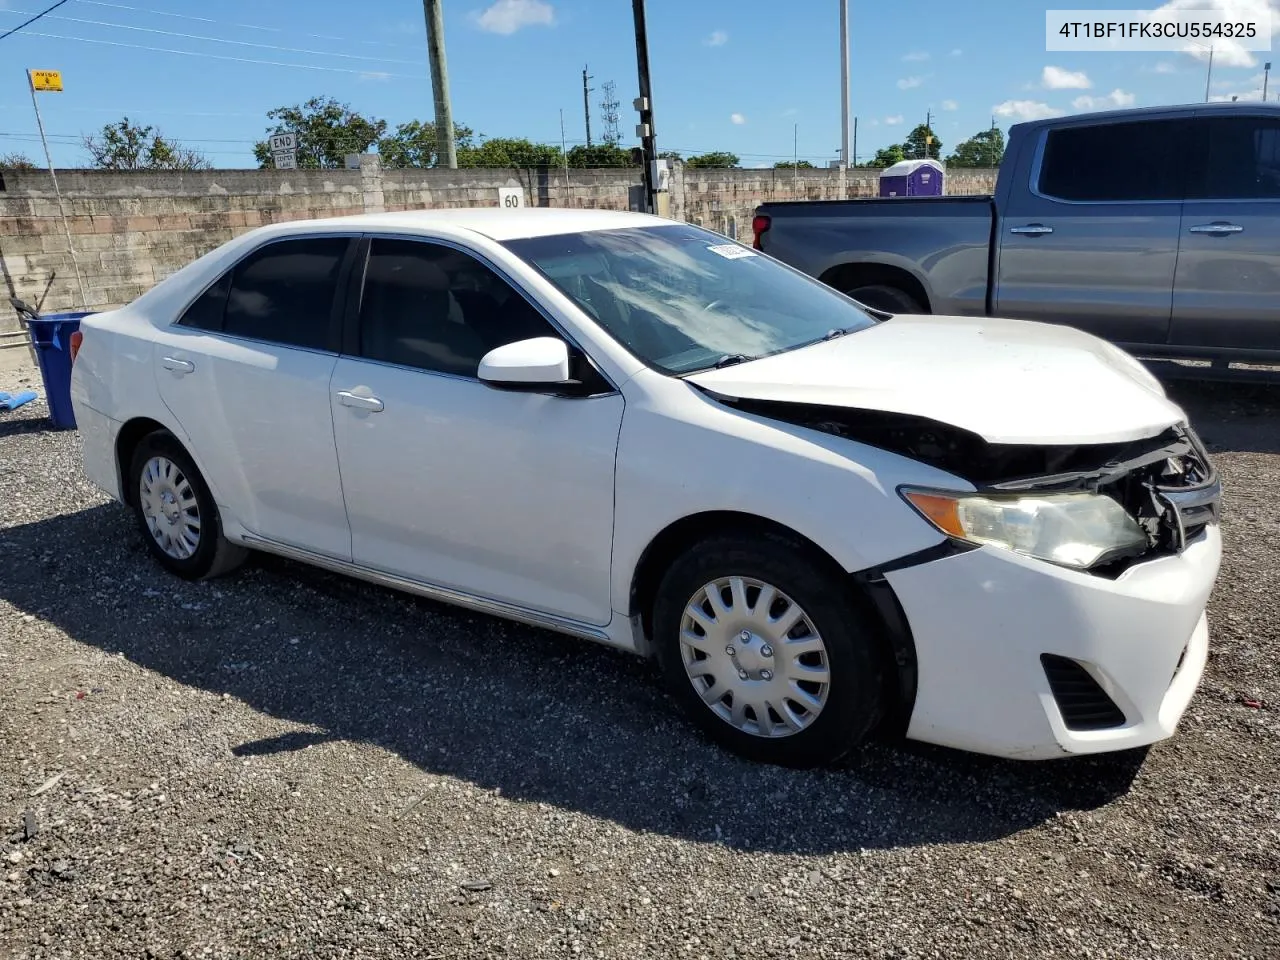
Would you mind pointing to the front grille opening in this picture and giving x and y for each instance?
(1083, 704)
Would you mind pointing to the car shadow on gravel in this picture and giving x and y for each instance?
(539, 717)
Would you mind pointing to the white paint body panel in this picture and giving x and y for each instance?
(1009, 381)
(504, 495)
(546, 505)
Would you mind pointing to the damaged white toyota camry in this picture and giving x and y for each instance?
(989, 534)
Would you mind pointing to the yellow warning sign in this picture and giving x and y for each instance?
(47, 80)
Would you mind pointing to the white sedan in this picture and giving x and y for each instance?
(821, 520)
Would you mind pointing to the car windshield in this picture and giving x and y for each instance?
(683, 299)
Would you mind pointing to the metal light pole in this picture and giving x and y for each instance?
(844, 83)
(1266, 75)
(1208, 76)
(440, 82)
(648, 143)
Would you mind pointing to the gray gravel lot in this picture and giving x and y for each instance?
(288, 763)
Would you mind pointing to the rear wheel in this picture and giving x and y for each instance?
(762, 647)
(175, 511)
(887, 299)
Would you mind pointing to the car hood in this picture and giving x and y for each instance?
(1008, 381)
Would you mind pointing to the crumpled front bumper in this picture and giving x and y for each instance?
(981, 620)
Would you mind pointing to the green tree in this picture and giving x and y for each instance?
(716, 159)
(599, 155)
(888, 156)
(915, 144)
(128, 146)
(327, 131)
(414, 144)
(16, 161)
(789, 164)
(510, 152)
(670, 155)
(983, 149)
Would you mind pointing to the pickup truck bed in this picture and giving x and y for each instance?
(951, 236)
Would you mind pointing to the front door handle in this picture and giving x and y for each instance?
(1221, 228)
(178, 367)
(1032, 229)
(357, 402)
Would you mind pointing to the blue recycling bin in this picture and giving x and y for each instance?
(51, 337)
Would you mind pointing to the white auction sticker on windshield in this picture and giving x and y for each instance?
(732, 251)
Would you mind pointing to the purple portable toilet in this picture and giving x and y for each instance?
(912, 178)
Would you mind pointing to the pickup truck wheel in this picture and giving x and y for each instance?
(885, 298)
(759, 643)
(175, 511)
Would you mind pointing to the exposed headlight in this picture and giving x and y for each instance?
(1073, 529)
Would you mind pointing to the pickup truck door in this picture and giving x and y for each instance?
(1227, 290)
(1088, 235)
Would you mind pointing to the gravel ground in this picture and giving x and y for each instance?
(287, 763)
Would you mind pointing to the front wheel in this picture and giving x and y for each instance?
(761, 645)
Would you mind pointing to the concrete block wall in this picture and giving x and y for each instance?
(131, 229)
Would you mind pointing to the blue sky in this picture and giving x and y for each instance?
(737, 75)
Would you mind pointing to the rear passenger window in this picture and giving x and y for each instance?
(1115, 162)
(285, 292)
(206, 312)
(1239, 159)
(429, 306)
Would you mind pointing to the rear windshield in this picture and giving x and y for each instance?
(684, 299)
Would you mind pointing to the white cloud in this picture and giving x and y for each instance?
(718, 38)
(738, 118)
(894, 120)
(1230, 89)
(956, 52)
(916, 56)
(1114, 100)
(910, 83)
(508, 16)
(1025, 110)
(950, 105)
(1226, 53)
(1055, 78)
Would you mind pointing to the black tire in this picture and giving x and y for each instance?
(213, 555)
(886, 299)
(855, 699)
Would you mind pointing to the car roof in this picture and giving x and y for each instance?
(492, 222)
(1241, 107)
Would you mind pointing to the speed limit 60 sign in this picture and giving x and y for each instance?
(509, 198)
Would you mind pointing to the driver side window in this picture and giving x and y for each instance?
(432, 307)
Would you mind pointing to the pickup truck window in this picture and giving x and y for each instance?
(1241, 159)
(1114, 162)
(684, 299)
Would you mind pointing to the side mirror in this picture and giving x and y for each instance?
(534, 364)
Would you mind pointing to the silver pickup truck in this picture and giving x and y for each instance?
(1157, 229)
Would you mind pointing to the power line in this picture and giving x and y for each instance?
(217, 56)
(244, 26)
(32, 20)
(239, 43)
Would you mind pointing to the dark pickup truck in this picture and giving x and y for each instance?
(1157, 229)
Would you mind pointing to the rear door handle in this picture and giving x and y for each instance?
(1032, 229)
(357, 402)
(178, 367)
(1217, 228)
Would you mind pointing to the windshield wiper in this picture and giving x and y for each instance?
(837, 332)
(730, 359)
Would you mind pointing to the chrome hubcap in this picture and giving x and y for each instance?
(754, 657)
(169, 507)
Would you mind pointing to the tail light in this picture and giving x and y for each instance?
(760, 224)
(76, 339)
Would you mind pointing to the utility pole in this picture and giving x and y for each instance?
(844, 83)
(1208, 76)
(644, 103)
(448, 152)
(992, 161)
(928, 132)
(586, 105)
(795, 158)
